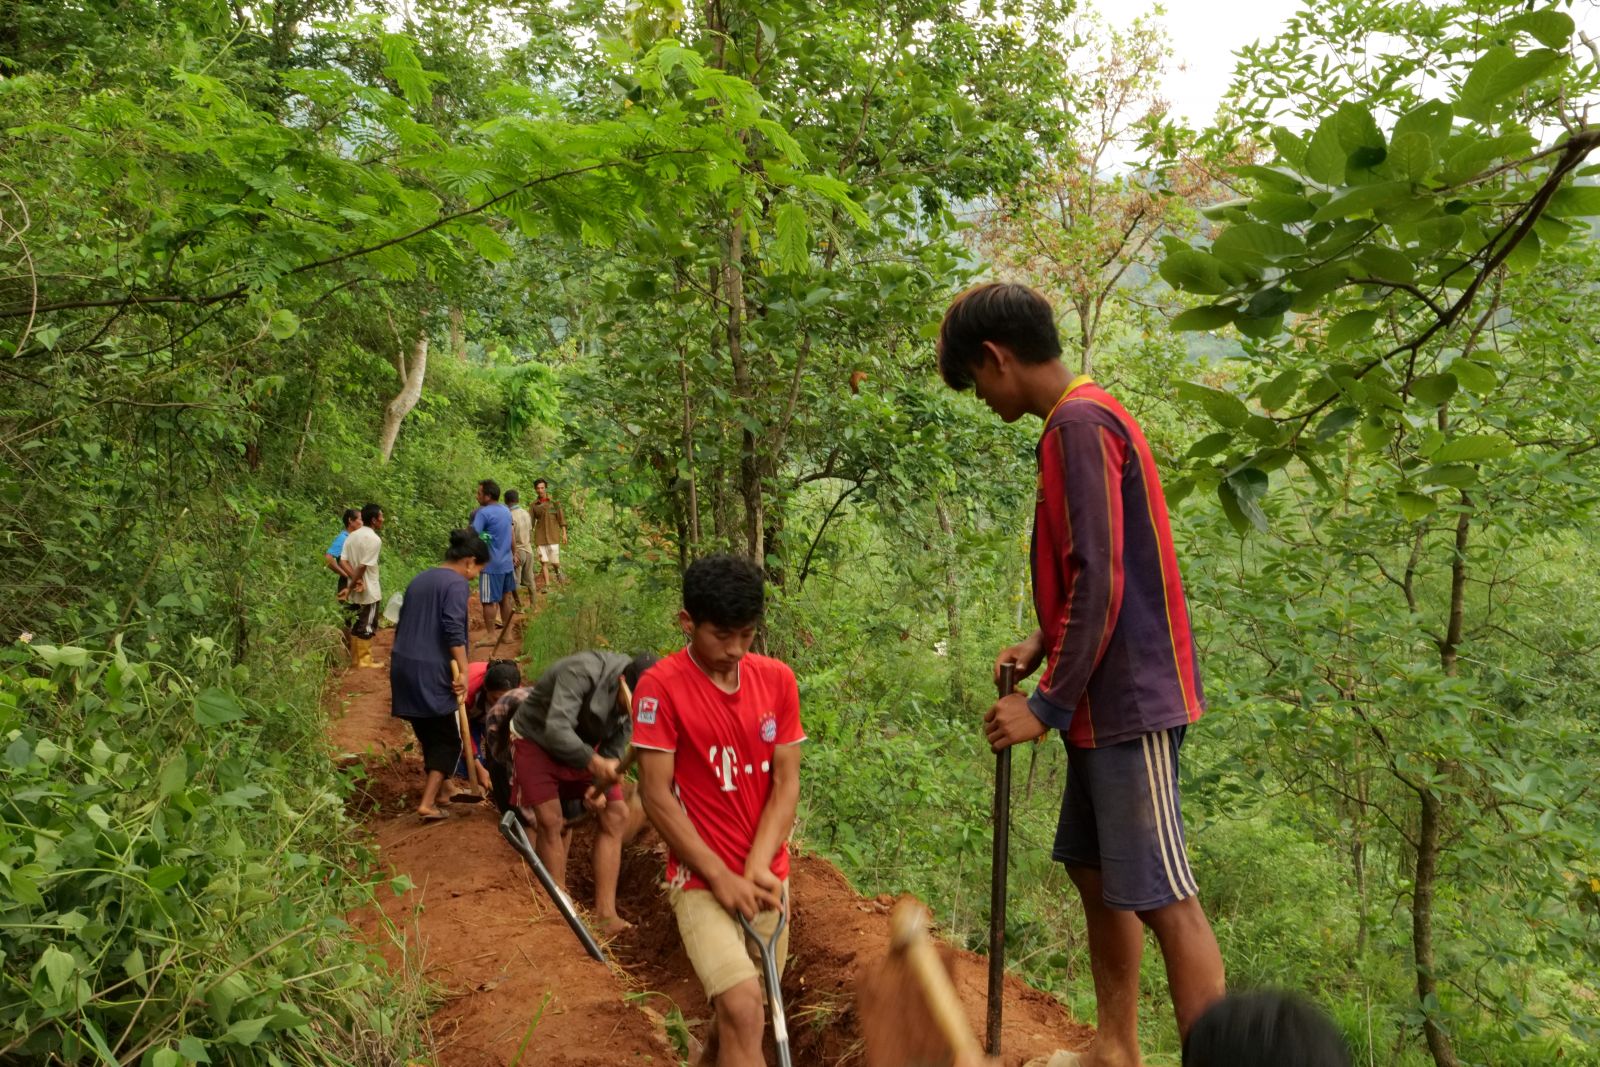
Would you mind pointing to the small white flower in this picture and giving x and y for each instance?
(25, 637)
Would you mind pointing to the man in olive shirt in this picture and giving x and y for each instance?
(549, 530)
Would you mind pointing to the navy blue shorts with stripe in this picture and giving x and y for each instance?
(493, 588)
(1120, 815)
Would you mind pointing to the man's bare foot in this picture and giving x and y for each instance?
(613, 925)
(431, 814)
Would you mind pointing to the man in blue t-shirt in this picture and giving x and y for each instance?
(352, 521)
(492, 520)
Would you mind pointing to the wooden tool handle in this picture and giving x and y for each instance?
(908, 926)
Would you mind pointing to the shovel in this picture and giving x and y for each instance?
(511, 829)
(468, 757)
(1000, 860)
(769, 973)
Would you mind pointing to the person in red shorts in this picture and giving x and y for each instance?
(1120, 679)
(718, 733)
(568, 736)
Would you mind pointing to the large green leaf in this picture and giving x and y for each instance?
(1575, 201)
(1208, 317)
(1411, 156)
(1473, 448)
(1277, 392)
(1499, 73)
(1361, 199)
(1256, 242)
(214, 707)
(1432, 120)
(1326, 155)
(1193, 271)
(1553, 29)
(1241, 494)
(1225, 408)
(1352, 327)
(1282, 208)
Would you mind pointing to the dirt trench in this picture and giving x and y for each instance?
(515, 985)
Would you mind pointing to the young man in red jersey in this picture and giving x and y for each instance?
(1120, 681)
(718, 733)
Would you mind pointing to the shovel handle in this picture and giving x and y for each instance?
(1000, 861)
(769, 972)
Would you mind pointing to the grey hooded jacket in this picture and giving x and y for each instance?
(572, 710)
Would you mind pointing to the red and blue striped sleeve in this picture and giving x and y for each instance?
(1080, 487)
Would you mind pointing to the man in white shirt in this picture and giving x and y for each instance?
(360, 558)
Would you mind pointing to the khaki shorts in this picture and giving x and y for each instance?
(550, 554)
(719, 951)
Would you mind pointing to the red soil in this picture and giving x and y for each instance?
(480, 928)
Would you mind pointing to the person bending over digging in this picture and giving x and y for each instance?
(718, 733)
(568, 736)
(1121, 681)
(432, 634)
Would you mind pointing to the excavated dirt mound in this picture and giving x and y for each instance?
(511, 976)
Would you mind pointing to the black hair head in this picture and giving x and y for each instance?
(466, 543)
(1268, 1028)
(370, 513)
(724, 590)
(540, 481)
(491, 488)
(513, 497)
(636, 667)
(503, 674)
(1003, 312)
(351, 513)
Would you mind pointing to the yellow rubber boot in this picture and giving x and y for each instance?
(363, 652)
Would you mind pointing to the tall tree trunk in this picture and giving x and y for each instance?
(411, 374)
(691, 490)
(952, 607)
(1432, 814)
(458, 334)
(749, 460)
(1427, 873)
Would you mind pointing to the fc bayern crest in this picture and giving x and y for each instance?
(769, 730)
(647, 711)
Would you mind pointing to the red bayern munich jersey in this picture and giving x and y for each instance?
(724, 744)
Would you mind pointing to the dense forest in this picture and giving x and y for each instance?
(263, 261)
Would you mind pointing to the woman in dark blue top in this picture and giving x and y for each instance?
(432, 633)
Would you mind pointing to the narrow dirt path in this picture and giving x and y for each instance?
(478, 925)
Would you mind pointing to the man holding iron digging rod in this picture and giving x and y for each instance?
(1120, 678)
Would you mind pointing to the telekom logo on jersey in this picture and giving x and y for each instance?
(725, 766)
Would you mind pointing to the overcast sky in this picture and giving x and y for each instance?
(1205, 37)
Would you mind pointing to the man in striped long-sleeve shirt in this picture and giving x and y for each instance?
(1120, 679)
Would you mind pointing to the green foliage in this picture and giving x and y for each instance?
(174, 874)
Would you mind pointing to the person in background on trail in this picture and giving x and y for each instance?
(432, 634)
(1121, 680)
(718, 732)
(493, 521)
(487, 682)
(521, 547)
(1264, 1029)
(352, 522)
(568, 737)
(549, 530)
(359, 556)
